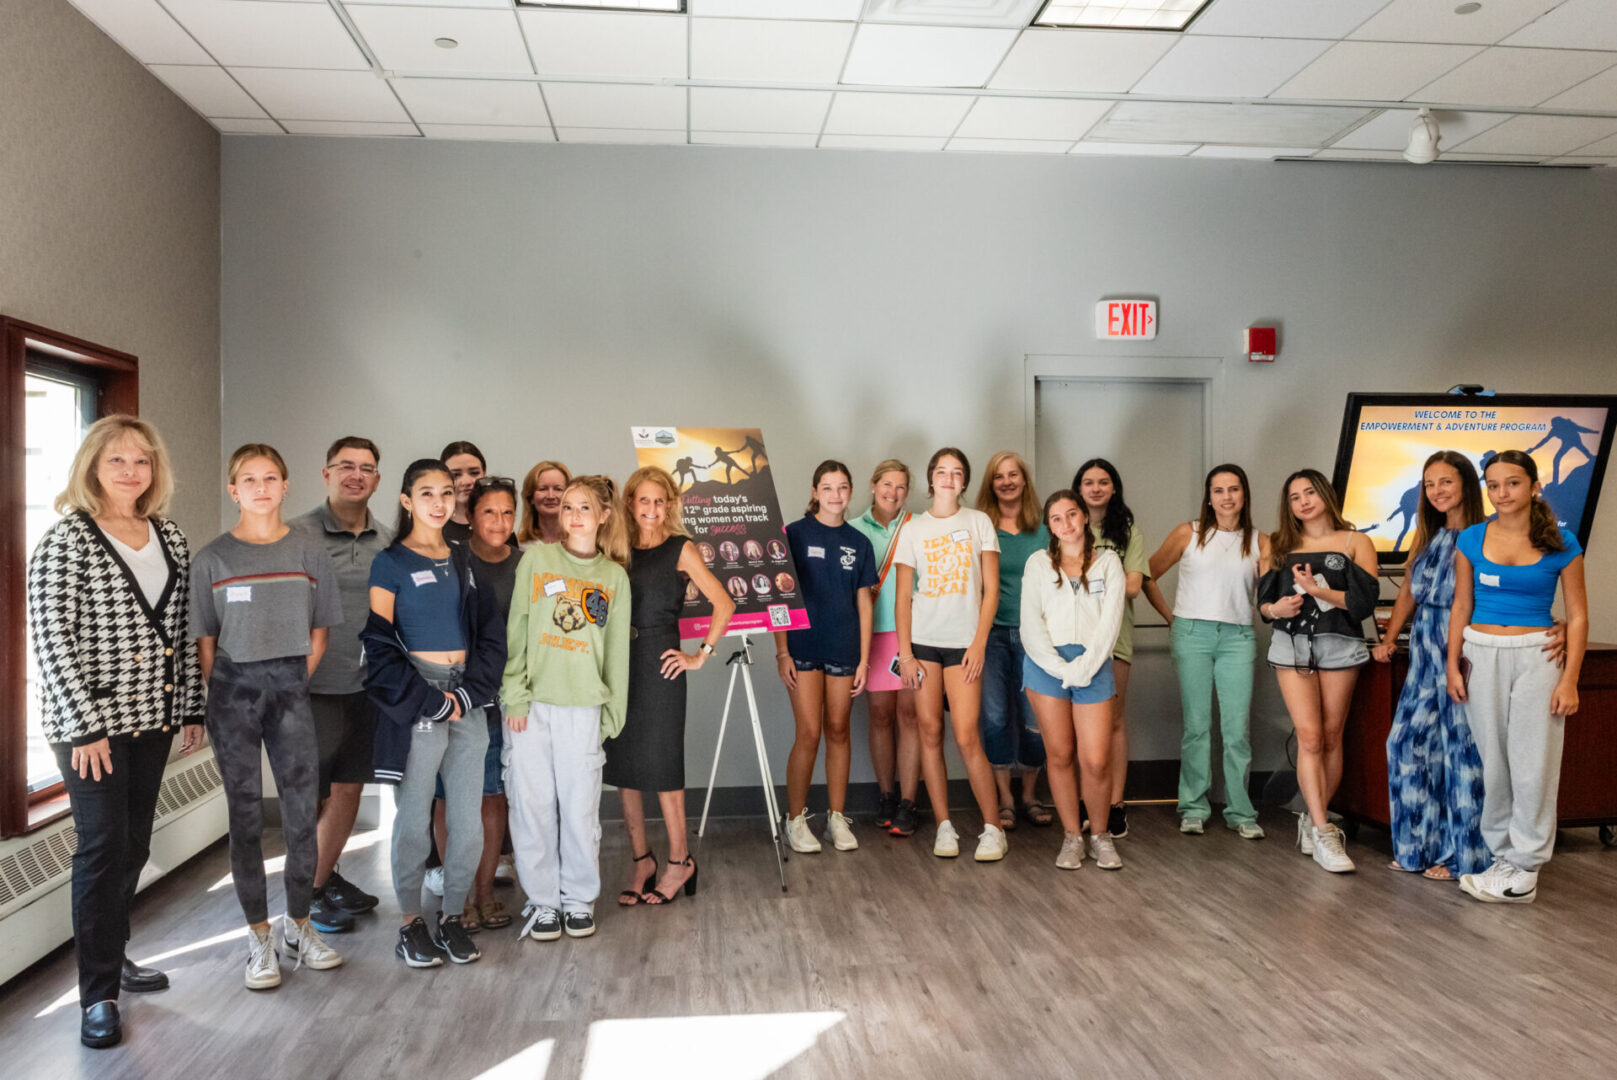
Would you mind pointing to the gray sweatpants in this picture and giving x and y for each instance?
(454, 748)
(1508, 703)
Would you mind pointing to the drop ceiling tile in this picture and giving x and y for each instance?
(1591, 161)
(884, 55)
(637, 136)
(1436, 20)
(881, 142)
(1374, 70)
(256, 33)
(1360, 155)
(1265, 153)
(1097, 61)
(1390, 130)
(1575, 24)
(237, 126)
(1284, 18)
(472, 101)
(1546, 136)
(488, 132)
(209, 90)
(1514, 77)
(290, 94)
(1009, 146)
(752, 138)
(1258, 125)
(1132, 149)
(610, 105)
(145, 30)
(769, 50)
(403, 39)
(1031, 118)
(349, 127)
(897, 114)
(1597, 94)
(1597, 149)
(735, 109)
(845, 10)
(605, 43)
(1229, 66)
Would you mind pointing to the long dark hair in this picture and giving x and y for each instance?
(1288, 535)
(418, 468)
(1119, 520)
(820, 471)
(1429, 521)
(965, 466)
(461, 446)
(1208, 523)
(1543, 531)
(1055, 544)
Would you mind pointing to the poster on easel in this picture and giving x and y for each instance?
(727, 493)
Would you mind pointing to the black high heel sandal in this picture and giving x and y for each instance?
(690, 884)
(631, 897)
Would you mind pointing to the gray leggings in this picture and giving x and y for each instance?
(266, 703)
(453, 749)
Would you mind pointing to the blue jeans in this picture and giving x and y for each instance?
(1010, 733)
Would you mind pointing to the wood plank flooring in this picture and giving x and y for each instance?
(1205, 957)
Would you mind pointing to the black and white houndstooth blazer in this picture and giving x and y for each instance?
(110, 664)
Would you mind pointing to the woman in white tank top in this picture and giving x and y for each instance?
(1219, 556)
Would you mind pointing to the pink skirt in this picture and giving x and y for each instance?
(883, 651)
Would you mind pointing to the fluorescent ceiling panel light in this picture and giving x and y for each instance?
(1001, 14)
(1134, 14)
(675, 6)
(1197, 122)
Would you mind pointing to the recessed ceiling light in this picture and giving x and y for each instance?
(445, 42)
(1467, 9)
(1003, 14)
(676, 6)
(1121, 14)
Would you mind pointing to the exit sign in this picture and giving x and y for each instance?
(1126, 320)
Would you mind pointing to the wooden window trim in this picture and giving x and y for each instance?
(118, 374)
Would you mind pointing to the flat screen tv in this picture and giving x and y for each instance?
(1386, 438)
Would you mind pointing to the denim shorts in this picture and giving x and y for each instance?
(937, 654)
(830, 667)
(1322, 652)
(1101, 688)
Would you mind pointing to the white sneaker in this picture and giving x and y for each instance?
(1329, 851)
(1502, 883)
(506, 872)
(1191, 826)
(838, 830)
(305, 942)
(1248, 830)
(1305, 834)
(946, 845)
(263, 963)
(799, 836)
(1072, 852)
(434, 881)
(991, 844)
(1104, 851)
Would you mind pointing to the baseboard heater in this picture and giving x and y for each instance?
(36, 871)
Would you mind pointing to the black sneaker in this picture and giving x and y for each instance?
(453, 939)
(327, 917)
(1117, 822)
(348, 896)
(415, 946)
(579, 923)
(544, 923)
(905, 820)
(886, 808)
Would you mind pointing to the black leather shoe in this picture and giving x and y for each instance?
(100, 1027)
(348, 896)
(139, 980)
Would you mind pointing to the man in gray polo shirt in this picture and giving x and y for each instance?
(343, 720)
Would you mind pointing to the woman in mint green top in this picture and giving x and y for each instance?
(1010, 731)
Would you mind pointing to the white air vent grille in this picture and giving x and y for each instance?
(184, 788)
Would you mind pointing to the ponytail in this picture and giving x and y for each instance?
(1055, 543)
(1543, 530)
(820, 471)
(405, 524)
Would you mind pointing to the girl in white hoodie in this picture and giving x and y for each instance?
(1072, 609)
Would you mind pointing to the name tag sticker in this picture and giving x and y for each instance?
(1097, 586)
(1489, 579)
(816, 552)
(960, 536)
(555, 588)
(423, 577)
(238, 594)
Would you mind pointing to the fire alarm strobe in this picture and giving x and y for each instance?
(1260, 344)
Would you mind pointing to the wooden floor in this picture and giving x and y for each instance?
(1206, 957)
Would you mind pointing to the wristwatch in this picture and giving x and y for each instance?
(706, 648)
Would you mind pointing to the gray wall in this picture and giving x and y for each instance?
(109, 224)
(540, 299)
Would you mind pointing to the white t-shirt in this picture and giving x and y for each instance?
(947, 556)
(149, 565)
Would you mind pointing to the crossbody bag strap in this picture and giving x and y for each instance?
(892, 548)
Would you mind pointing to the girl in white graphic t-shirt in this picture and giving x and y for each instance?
(947, 564)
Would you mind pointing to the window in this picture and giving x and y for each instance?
(56, 386)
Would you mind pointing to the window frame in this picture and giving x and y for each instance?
(117, 376)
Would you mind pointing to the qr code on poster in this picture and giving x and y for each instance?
(779, 615)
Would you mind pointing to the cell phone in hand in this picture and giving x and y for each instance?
(920, 672)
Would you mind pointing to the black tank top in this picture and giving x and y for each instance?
(656, 587)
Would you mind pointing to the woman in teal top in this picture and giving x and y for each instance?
(1010, 732)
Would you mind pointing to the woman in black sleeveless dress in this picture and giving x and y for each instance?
(649, 754)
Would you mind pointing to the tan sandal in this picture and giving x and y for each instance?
(1437, 873)
(493, 915)
(1007, 818)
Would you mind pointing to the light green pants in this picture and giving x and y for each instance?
(1208, 654)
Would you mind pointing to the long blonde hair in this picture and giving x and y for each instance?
(529, 532)
(1028, 518)
(651, 474)
(612, 538)
(84, 491)
(1289, 536)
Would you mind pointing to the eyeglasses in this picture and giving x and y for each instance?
(495, 481)
(345, 468)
